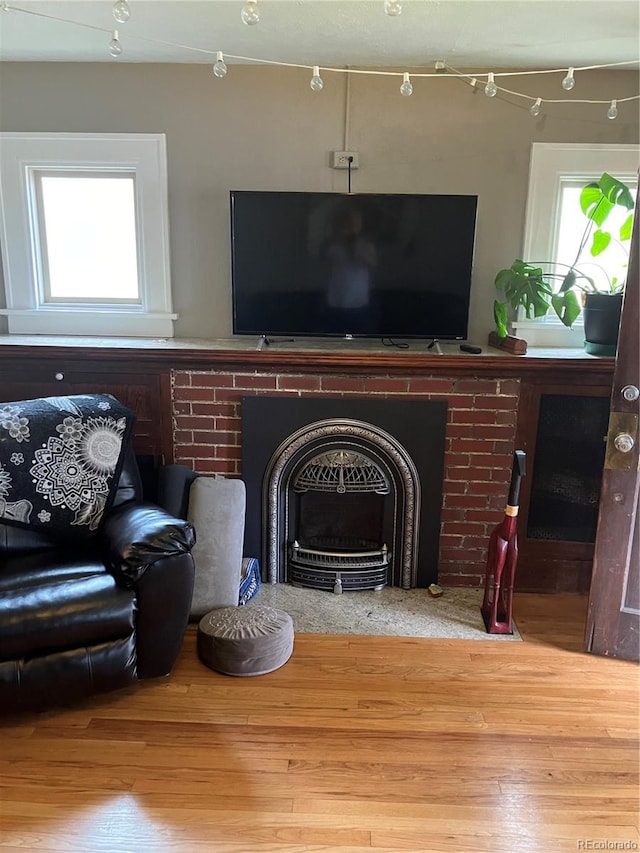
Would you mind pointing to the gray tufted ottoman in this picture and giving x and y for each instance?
(250, 640)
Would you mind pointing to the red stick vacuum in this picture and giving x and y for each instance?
(497, 605)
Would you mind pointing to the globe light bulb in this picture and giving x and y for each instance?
(115, 48)
(219, 66)
(393, 8)
(535, 108)
(612, 112)
(316, 82)
(250, 15)
(490, 90)
(406, 88)
(121, 11)
(568, 83)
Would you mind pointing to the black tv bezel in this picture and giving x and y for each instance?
(266, 333)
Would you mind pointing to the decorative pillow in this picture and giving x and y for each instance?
(60, 460)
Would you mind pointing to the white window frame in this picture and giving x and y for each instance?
(551, 164)
(22, 155)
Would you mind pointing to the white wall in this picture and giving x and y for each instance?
(263, 128)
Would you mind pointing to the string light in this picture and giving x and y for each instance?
(449, 71)
(535, 108)
(490, 90)
(115, 48)
(316, 83)
(406, 88)
(393, 8)
(612, 112)
(121, 11)
(219, 66)
(568, 83)
(250, 15)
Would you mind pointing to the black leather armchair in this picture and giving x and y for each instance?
(82, 618)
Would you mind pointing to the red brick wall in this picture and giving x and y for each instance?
(480, 435)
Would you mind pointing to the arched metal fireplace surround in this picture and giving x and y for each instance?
(341, 457)
(346, 493)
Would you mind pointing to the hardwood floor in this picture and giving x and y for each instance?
(357, 744)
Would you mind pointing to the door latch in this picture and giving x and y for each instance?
(630, 393)
(621, 439)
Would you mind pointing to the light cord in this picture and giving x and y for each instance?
(444, 70)
(347, 113)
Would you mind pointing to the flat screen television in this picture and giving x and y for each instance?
(363, 265)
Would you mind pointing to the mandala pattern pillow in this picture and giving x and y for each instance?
(60, 460)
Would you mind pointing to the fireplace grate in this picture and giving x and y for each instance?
(338, 582)
(340, 543)
(338, 570)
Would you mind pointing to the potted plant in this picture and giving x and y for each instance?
(533, 285)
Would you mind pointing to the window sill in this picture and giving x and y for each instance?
(538, 334)
(74, 321)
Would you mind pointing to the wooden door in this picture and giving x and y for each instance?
(613, 621)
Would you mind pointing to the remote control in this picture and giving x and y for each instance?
(470, 348)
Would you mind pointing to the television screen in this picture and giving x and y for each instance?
(371, 265)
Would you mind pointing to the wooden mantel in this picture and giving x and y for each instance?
(306, 357)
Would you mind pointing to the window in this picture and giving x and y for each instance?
(85, 234)
(557, 174)
(606, 269)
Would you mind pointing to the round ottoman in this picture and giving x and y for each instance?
(249, 640)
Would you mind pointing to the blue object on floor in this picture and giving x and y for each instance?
(249, 579)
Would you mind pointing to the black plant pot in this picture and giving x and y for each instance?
(601, 322)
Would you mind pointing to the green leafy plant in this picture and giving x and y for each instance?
(533, 286)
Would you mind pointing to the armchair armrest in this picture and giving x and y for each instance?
(136, 535)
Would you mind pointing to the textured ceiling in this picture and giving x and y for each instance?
(357, 33)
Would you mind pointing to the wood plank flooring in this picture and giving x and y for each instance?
(375, 744)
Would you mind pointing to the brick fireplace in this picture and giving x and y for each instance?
(478, 442)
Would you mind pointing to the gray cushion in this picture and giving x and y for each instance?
(216, 510)
(249, 640)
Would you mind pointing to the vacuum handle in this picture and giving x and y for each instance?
(518, 471)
